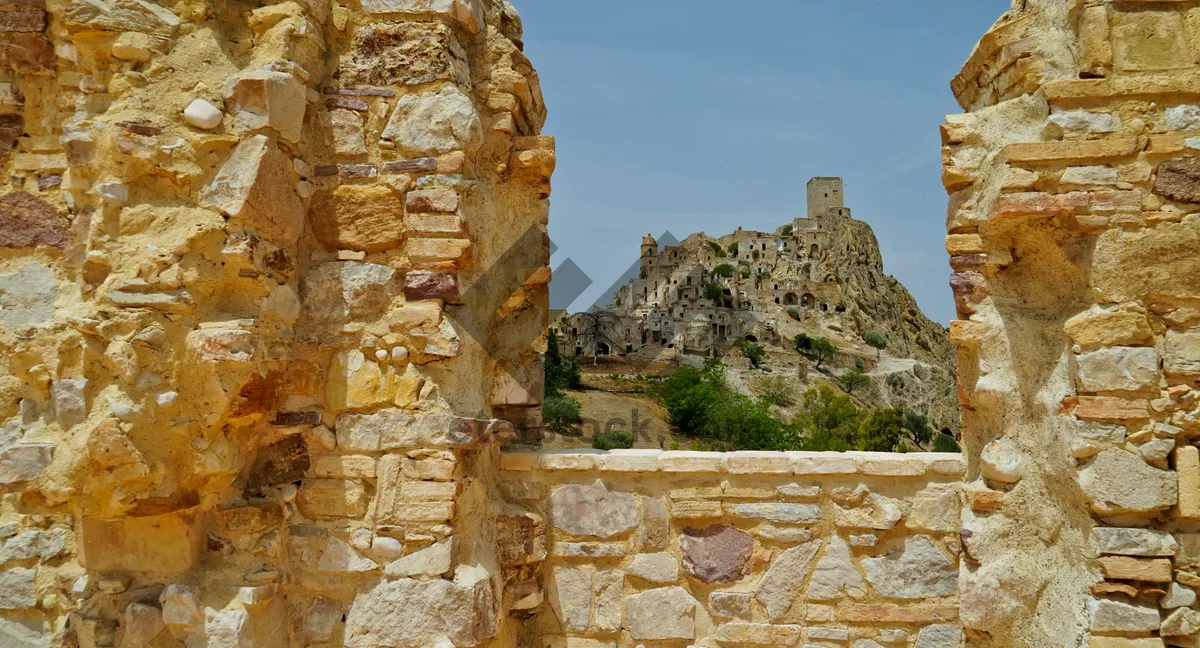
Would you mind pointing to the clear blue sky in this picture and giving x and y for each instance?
(698, 115)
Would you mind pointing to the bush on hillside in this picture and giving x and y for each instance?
(613, 440)
(724, 270)
(559, 413)
(755, 353)
(946, 443)
(854, 379)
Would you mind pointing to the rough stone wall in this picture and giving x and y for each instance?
(270, 276)
(654, 548)
(1075, 241)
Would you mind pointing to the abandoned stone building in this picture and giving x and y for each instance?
(273, 302)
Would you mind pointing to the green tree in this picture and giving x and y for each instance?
(823, 350)
(753, 352)
(946, 443)
(880, 431)
(741, 423)
(713, 292)
(559, 413)
(854, 379)
(917, 428)
(561, 371)
(827, 421)
(724, 270)
(787, 230)
(732, 249)
(777, 390)
(717, 249)
(803, 343)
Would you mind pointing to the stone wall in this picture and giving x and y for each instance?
(1074, 232)
(745, 549)
(272, 288)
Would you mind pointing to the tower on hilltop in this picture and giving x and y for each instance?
(824, 195)
(649, 251)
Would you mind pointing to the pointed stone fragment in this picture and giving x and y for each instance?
(254, 189)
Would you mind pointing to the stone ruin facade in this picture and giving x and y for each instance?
(1074, 234)
(273, 293)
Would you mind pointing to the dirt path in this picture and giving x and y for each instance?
(605, 410)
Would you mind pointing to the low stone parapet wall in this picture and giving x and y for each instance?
(750, 548)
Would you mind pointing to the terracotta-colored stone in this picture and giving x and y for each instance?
(1179, 180)
(420, 285)
(716, 554)
(29, 221)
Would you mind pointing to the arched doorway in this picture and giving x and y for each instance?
(808, 300)
(603, 349)
(812, 251)
(790, 299)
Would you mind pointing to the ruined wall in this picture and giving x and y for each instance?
(271, 274)
(654, 548)
(1075, 240)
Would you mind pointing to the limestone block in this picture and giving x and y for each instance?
(1133, 542)
(27, 296)
(1159, 261)
(355, 217)
(757, 463)
(593, 510)
(661, 614)
(590, 549)
(716, 554)
(35, 543)
(1187, 466)
(1095, 42)
(732, 605)
(24, 462)
(338, 291)
(391, 429)
(866, 510)
(428, 285)
(823, 464)
(1181, 623)
(1116, 616)
(348, 466)
(835, 575)
(1085, 121)
(1150, 570)
(778, 512)
(265, 99)
(921, 570)
(570, 595)
(432, 123)
(255, 190)
(936, 508)
(781, 584)
(17, 588)
(468, 13)
(690, 462)
(607, 590)
(1121, 642)
(332, 498)
(339, 556)
(1182, 355)
(1149, 40)
(1117, 481)
(655, 530)
(1103, 327)
(520, 537)
(1002, 461)
(320, 618)
(940, 636)
(431, 562)
(758, 634)
(1177, 596)
(169, 543)
(282, 462)
(355, 381)
(404, 54)
(27, 221)
(655, 568)
(407, 613)
(117, 16)
(1118, 369)
(142, 623)
(347, 126)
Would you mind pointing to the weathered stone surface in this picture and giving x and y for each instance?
(356, 381)
(870, 511)
(262, 99)
(835, 575)
(1133, 542)
(1117, 481)
(347, 128)
(34, 543)
(118, 16)
(1181, 623)
(940, 636)
(1152, 262)
(281, 462)
(27, 296)
(413, 614)
(1149, 570)
(1102, 327)
(778, 512)
(17, 588)
(1115, 616)
(1177, 596)
(354, 217)
(936, 508)
(411, 53)
(337, 291)
(922, 570)
(24, 462)
(781, 585)
(606, 591)
(29, 221)
(254, 189)
(1182, 355)
(423, 284)
(1179, 180)
(468, 13)
(1002, 461)
(169, 543)
(391, 429)
(570, 596)
(432, 123)
(332, 498)
(661, 614)
(656, 568)
(733, 605)
(593, 510)
(716, 554)
(1118, 369)
(321, 617)
(758, 634)
(432, 561)
(24, 632)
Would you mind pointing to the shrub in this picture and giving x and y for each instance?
(777, 390)
(745, 274)
(854, 379)
(803, 343)
(753, 352)
(559, 413)
(880, 431)
(917, 427)
(732, 249)
(724, 270)
(828, 421)
(717, 249)
(561, 371)
(613, 440)
(946, 443)
(713, 292)
(787, 230)
(876, 339)
(794, 313)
